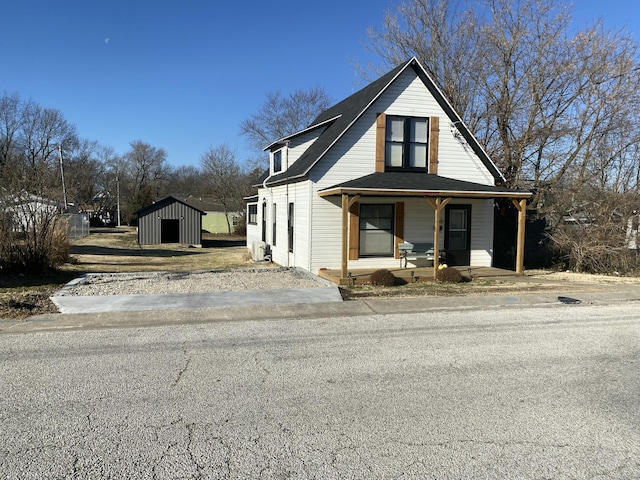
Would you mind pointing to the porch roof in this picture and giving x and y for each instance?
(419, 184)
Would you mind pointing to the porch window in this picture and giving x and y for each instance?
(253, 214)
(406, 142)
(376, 230)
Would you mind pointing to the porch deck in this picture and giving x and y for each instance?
(412, 274)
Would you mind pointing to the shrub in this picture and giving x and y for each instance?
(449, 275)
(39, 249)
(382, 278)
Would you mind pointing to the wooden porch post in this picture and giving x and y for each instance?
(345, 237)
(522, 211)
(438, 204)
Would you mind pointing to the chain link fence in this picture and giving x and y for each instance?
(77, 225)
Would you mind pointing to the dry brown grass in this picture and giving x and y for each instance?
(114, 250)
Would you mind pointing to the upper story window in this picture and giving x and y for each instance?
(277, 161)
(406, 142)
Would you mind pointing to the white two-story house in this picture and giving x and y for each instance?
(392, 163)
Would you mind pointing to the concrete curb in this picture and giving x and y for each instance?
(193, 314)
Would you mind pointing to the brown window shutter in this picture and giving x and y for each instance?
(399, 227)
(434, 129)
(354, 230)
(381, 125)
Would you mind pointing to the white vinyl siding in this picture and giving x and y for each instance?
(281, 196)
(353, 155)
(481, 232)
(299, 144)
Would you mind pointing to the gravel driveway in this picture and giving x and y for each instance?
(153, 283)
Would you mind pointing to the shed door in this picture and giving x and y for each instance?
(457, 239)
(170, 231)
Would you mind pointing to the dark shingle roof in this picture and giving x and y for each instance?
(346, 112)
(418, 183)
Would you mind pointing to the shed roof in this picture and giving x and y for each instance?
(163, 203)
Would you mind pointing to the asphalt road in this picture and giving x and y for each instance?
(540, 393)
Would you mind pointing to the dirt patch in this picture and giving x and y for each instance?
(116, 250)
(24, 295)
(20, 305)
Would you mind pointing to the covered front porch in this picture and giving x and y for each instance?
(437, 192)
(410, 274)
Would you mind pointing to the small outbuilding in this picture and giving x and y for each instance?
(170, 220)
(217, 219)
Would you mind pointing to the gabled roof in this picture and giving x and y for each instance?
(343, 115)
(283, 141)
(163, 203)
(419, 184)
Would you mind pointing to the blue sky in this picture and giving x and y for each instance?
(182, 75)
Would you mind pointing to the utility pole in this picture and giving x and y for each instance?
(64, 188)
(118, 195)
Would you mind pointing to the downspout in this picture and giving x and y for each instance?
(286, 199)
(264, 186)
(309, 222)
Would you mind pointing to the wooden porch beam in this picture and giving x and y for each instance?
(345, 236)
(354, 199)
(521, 206)
(438, 204)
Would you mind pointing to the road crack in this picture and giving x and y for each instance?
(185, 366)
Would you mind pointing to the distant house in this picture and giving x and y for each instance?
(25, 210)
(215, 220)
(392, 164)
(170, 220)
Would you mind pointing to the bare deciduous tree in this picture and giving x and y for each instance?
(32, 238)
(143, 173)
(542, 100)
(558, 109)
(187, 180)
(225, 178)
(281, 115)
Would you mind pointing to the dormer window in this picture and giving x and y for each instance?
(277, 161)
(406, 141)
